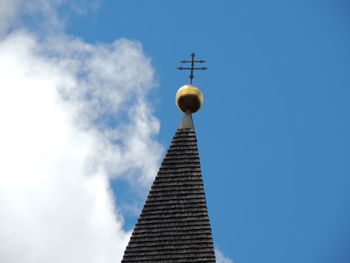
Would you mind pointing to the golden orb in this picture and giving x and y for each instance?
(189, 97)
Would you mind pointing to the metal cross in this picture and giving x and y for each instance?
(192, 66)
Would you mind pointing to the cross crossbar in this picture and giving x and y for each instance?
(192, 68)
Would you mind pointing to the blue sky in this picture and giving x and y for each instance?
(274, 130)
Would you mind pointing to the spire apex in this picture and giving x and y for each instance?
(190, 97)
(187, 122)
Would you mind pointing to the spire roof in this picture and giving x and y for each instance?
(174, 224)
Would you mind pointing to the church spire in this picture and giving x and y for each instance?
(174, 223)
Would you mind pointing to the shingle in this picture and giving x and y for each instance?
(174, 224)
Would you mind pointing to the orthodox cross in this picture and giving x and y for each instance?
(192, 66)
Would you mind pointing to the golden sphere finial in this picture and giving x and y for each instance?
(189, 97)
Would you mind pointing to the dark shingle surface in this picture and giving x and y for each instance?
(174, 224)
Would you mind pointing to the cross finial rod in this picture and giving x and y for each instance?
(192, 68)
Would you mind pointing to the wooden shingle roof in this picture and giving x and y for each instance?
(174, 224)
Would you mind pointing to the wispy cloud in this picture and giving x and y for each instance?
(72, 115)
(220, 257)
(43, 14)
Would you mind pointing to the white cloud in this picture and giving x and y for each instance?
(43, 14)
(7, 13)
(220, 257)
(72, 115)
